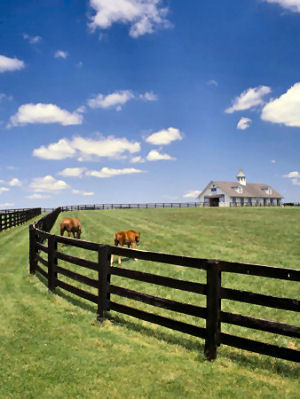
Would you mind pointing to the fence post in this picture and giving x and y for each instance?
(52, 262)
(213, 306)
(103, 281)
(32, 250)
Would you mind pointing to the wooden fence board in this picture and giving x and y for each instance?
(160, 280)
(162, 321)
(261, 324)
(260, 299)
(184, 308)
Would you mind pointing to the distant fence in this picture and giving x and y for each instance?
(151, 205)
(46, 244)
(146, 205)
(15, 217)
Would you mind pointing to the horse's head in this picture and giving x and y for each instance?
(137, 238)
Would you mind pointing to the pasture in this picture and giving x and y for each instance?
(52, 346)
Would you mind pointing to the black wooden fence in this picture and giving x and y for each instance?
(146, 205)
(52, 270)
(15, 217)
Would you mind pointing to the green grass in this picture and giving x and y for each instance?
(52, 347)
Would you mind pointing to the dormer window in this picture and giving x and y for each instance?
(238, 189)
(267, 190)
(213, 189)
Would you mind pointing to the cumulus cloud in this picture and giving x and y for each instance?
(164, 137)
(137, 159)
(85, 193)
(248, 99)
(32, 39)
(47, 184)
(284, 109)
(10, 64)
(61, 54)
(119, 98)
(44, 113)
(15, 182)
(291, 175)
(60, 150)
(143, 16)
(157, 156)
(72, 172)
(108, 172)
(244, 123)
(113, 100)
(192, 194)
(291, 5)
(148, 96)
(3, 190)
(86, 149)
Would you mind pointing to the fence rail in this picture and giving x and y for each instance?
(154, 205)
(50, 267)
(14, 217)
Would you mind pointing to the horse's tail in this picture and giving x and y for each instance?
(116, 241)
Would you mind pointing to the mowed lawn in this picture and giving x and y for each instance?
(52, 346)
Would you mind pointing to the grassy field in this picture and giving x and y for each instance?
(52, 347)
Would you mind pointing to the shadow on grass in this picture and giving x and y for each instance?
(243, 358)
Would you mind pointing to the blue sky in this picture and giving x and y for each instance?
(124, 101)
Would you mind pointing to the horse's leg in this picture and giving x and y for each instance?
(119, 257)
(62, 232)
(133, 246)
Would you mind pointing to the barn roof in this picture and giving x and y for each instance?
(256, 190)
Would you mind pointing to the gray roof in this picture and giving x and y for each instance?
(249, 190)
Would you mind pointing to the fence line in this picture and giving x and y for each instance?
(15, 217)
(151, 205)
(52, 270)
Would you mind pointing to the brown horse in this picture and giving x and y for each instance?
(129, 238)
(71, 225)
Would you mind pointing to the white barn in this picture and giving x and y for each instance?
(239, 193)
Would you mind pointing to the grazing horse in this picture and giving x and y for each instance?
(71, 225)
(129, 237)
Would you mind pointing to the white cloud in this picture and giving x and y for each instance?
(149, 96)
(88, 149)
(108, 172)
(244, 123)
(164, 137)
(60, 150)
(72, 172)
(44, 113)
(137, 159)
(284, 109)
(292, 5)
(116, 99)
(3, 189)
(47, 184)
(291, 175)
(248, 99)
(10, 64)
(61, 54)
(273, 161)
(38, 196)
(157, 156)
(85, 193)
(192, 194)
(15, 182)
(32, 39)
(144, 16)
